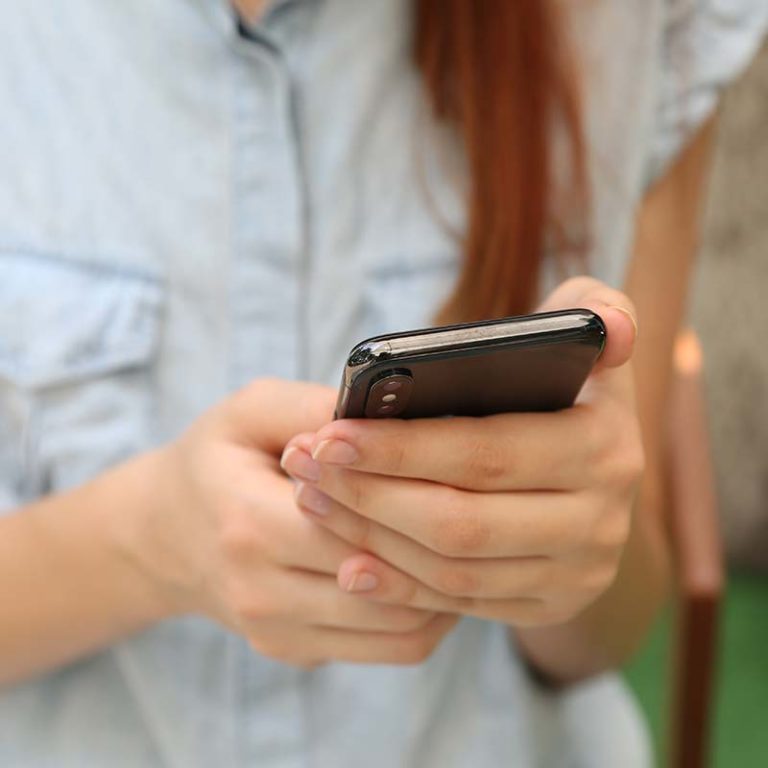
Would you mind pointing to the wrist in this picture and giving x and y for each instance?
(137, 488)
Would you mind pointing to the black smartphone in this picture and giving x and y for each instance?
(528, 363)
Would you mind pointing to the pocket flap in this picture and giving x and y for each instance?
(63, 319)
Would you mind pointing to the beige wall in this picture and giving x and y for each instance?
(730, 311)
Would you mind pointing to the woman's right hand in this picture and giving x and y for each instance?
(225, 539)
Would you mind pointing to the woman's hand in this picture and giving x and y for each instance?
(225, 539)
(520, 518)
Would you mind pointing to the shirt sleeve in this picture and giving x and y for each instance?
(705, 45)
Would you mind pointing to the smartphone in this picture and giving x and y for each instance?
(528, 363)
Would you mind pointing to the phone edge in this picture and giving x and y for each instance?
(377, 349)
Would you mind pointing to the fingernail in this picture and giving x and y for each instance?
(628, 314)
(362, 581)
(312, 500)
(335, 452)
(299, 464)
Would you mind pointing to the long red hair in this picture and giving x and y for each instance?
(501, 72)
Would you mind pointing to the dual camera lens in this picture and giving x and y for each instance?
(389, 394)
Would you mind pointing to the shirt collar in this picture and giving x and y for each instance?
(271, 7)
(223, 15)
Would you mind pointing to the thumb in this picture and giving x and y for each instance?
(615, 309)
(267, 413)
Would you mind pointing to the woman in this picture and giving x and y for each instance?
(200, 212)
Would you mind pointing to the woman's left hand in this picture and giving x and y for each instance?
(520, 518)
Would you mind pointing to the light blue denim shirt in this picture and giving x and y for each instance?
(183, 209)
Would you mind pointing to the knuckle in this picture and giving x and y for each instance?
(457, 530)
(238, 539)
(455, 582)
(611, 532)
(417, 647)
(247, 606)
(269, 648)
(361, 533)
(598, 433)
(538, 580)
(396, 455)
(572, 531)
(598, 578)
(600, 525)
(619, 454)
(587, 531)
(554, 614)
(253, 610)
(331, 611)
(406, 593)
(566, 538)
(633, 459)
(412, 620)
(358, 497)
(485, 462)
(462, 605)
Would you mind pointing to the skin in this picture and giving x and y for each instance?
(545, 522)
(518, 518)
(555, 529)
(207, 526)
(250, 9)
(667, 233)
(667, 229)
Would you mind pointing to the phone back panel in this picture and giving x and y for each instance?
(528, 374)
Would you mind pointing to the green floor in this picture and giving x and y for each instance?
(740, 736)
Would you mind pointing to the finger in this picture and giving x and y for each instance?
(614, 307)
(396, 588)
(271, 526)
(303, 440)
(459, 523)
(294, 453)
(300, 544)
(455, 577)
(317, 599)
(504, 452)
(611, 381)
(380, 648)
(267, 413)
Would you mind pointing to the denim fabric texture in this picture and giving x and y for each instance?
(184, 207)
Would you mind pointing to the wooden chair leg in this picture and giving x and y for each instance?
(697, 552)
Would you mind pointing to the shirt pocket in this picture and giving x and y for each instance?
(77, 344)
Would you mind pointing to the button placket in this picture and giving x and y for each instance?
(268, 218)
(268, 243)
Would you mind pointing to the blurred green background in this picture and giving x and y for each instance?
(740, 724)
